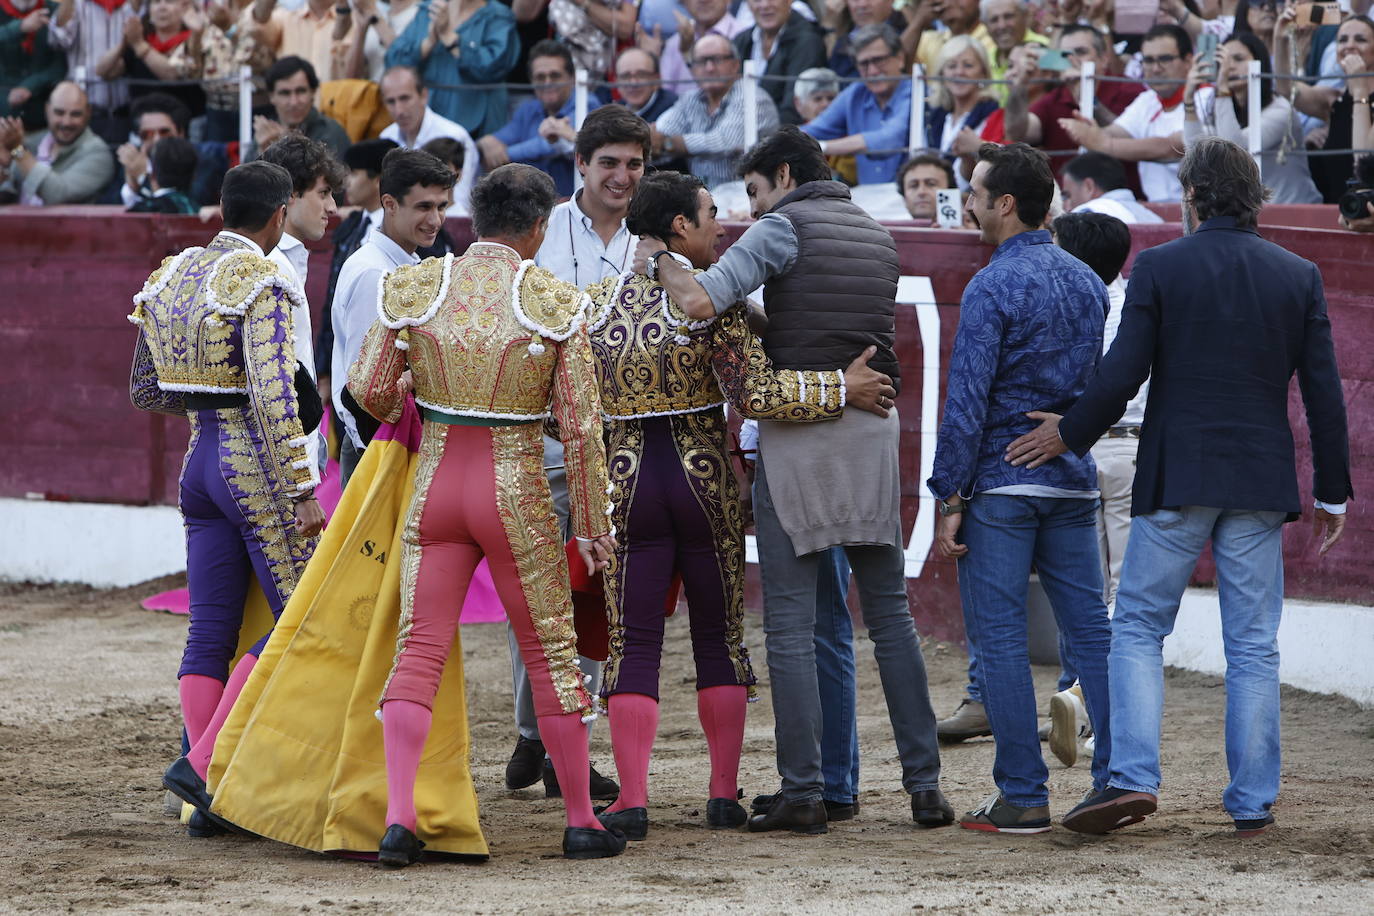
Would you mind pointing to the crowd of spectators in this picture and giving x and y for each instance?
(89, 88)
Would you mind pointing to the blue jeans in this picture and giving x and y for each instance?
(1005, 535)
(1164, 547)
(835, 677)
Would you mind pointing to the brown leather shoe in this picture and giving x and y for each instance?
(798, 817)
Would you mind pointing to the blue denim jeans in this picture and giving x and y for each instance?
(835, 677)
(1164, 547)
(1005, 535)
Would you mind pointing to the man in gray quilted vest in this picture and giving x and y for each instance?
(831, 273)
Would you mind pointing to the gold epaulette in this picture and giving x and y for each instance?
(413, 293)
(238, 278)
(547, 305)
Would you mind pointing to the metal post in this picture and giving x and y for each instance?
(245, 110)
(751, 103)
(1254, 114)
(1087, 90)
(916, 134)
(579, 112)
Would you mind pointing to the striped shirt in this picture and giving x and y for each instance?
(86, 37)
(715, 141)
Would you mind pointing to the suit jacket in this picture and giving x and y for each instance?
(1220, 321)
(800, 46)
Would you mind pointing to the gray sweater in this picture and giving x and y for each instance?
(1285, 173)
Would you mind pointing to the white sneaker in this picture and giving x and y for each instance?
(1068, 722)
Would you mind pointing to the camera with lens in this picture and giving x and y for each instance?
(1359, 190)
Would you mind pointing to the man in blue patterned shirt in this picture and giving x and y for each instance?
(1030, 334)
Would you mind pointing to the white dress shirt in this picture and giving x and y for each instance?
(355, 308)
(1145, 118)
(432, 126)
(575, 254)
(1116, 295)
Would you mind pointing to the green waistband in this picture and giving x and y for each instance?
(453, 419)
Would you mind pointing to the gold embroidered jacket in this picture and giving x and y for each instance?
(217, 320)
(487, 335)
(654, 361)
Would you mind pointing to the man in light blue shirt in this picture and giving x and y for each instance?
(873, 115)
(541, 132)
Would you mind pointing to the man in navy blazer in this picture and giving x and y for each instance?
(1220, 321)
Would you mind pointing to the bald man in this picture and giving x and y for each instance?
(66, 164)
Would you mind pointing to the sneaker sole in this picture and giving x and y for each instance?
(993, 828)
(1063, 731)
(1113, 815)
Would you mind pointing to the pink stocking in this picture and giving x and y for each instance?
(634, 723)
(565, 738)
(200, 752)
(405, 726)
(199, 697)
(721, 710)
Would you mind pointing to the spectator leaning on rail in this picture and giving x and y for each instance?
(1096, 183)
(1282, 167)
(414, 124)
(787, 43)
(540, 133)
(291, 85)
(66, 164)
(30, 65)
(708, 125)
(1150, 130)
(872, 115)
(453, 43)
(920, 180)
(1221, 321)
(1030, 330)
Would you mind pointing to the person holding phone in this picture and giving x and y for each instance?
(1286, 175)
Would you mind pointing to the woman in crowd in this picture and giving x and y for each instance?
(1258, 17)
(1337, 107)
(454, 42)
(146, 50)
(1282, 165)
(959, 104)
(378, 24)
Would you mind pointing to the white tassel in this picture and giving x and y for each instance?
(681, 340)
(589, 718)
(401, 344)
(134, 319)
(536, 348)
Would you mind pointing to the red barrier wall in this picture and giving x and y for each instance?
(68, 275)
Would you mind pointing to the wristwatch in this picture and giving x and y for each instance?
(950, 508)
(653, 262)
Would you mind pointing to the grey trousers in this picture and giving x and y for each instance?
(789, 620)
(520, 679)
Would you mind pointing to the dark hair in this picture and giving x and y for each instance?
(403, 169)
(1222, 180)
(789, 145)
(1102, 242)
(549, 47)
(1368, 23)
(928, 157)
(1259, 52)
(368, 155)
(509, 200)
(1169, 30)
(659, 199)
(1243, 9)
(251, 193)
(1099, 41)
(1106, 171)
(611, 124)
(306, 161)
(1023, 172)
(447, 150)
(287, 67)
(173, 162)
(161, 103)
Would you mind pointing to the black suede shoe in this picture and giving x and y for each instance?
(798, 817)
(185, 783)
(590, 843)
(201, 827)
(526, 763)
(601, 788)
(398, 848)
(725, 814)
(929, 808)
(633, 822)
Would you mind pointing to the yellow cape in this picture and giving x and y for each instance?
(300, 758)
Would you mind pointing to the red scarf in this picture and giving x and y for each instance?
(109, 5)
(10, 9)
(165, 46)
(1175, 99)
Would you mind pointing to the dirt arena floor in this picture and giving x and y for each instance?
(88, 719)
